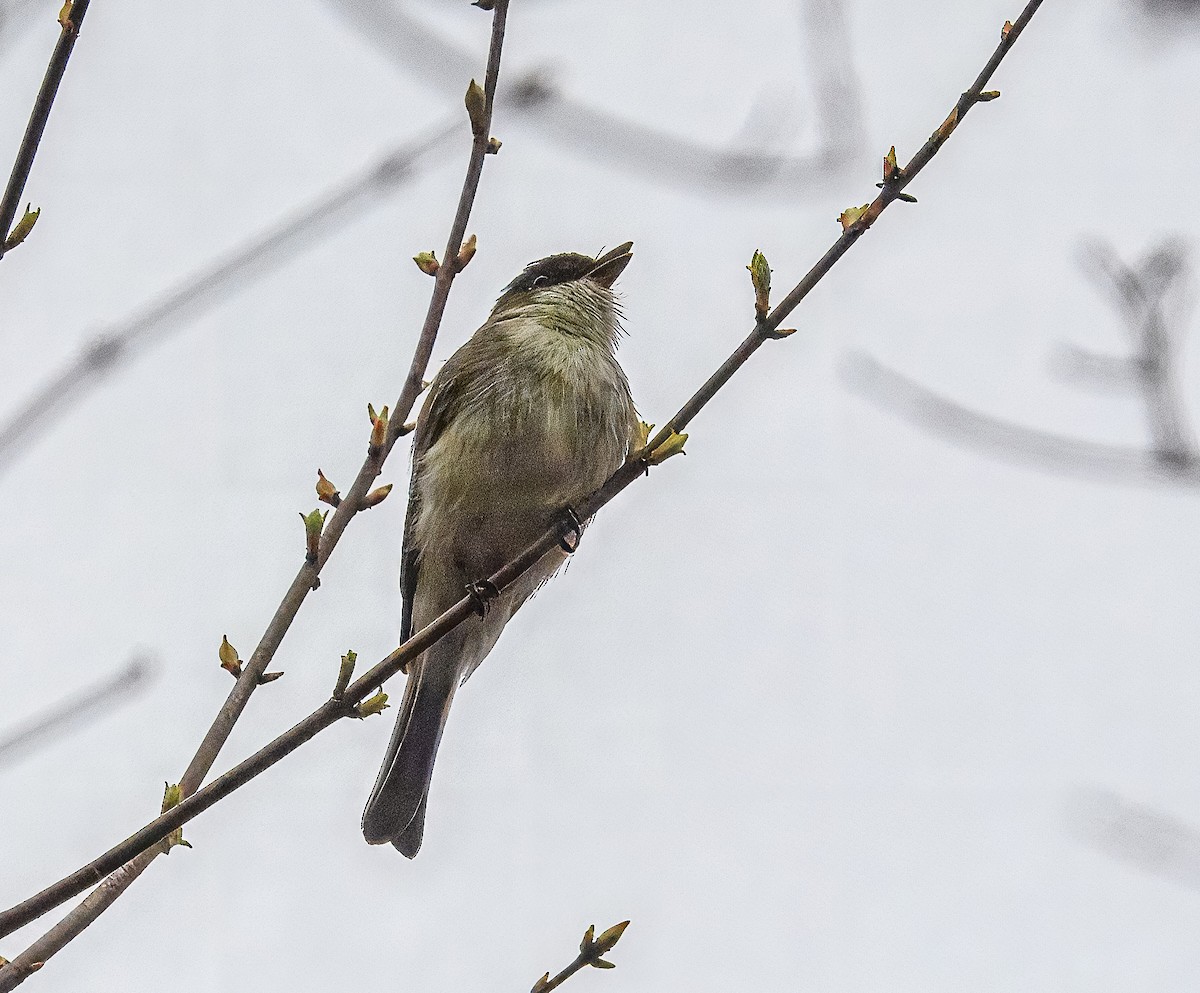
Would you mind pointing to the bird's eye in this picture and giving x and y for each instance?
(541, 281)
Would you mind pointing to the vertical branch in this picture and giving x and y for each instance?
(71, 20)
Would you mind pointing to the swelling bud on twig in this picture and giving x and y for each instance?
(229, 658)
(609, 938)
(760, 276)
(314, 523)
(892, 174)
(376, 496)
(493, 146)
(476, 101)
(64, 16)
(641, 437)
(852, 215)
(946, 128)
(379, 424)
(372, 706)
(22, 228)
(269, 677)
(672, 446)
(326, 491)
(1005, 30)
(345, 673)
(467, 252)
(891, 169)
(172, 797)
(987, 96)
(427, 262)
(592, 949)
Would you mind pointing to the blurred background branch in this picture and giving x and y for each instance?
(1138, 835)
(262, 253)
(79, 709)
(1151, 298)
(600, 135)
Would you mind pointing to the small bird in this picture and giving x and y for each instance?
(528, 417)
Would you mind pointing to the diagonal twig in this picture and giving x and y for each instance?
(126, 870)
(337, 708)
(71, 20)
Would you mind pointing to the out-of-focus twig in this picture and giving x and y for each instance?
(602, 136)
(77, 709)
(1143, 293)
(259, 255)
(384, 435)
(656, 449)
(1139, 835)
(945, 418)
(1150, 298)
(70, 22)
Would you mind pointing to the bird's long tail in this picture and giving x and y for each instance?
(396, 811)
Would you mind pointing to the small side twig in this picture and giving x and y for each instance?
(654, 451)
(70, 21)
(591, 953)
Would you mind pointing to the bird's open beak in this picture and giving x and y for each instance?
(611, 264)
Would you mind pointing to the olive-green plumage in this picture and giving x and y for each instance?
(528, 417)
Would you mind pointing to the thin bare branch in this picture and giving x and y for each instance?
(259, 255)
(71, 20)
(638, 465)
(140, 855)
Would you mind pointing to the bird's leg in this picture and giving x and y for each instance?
(573, 522)
(483, 592)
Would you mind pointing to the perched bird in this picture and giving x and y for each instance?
(529, 416)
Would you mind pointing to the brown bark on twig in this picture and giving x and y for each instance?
(38, 118)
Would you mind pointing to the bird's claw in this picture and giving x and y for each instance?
(483, 592)
(573, 521)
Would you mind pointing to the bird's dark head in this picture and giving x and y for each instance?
(569, 267)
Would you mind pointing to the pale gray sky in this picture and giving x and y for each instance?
(829, 704)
